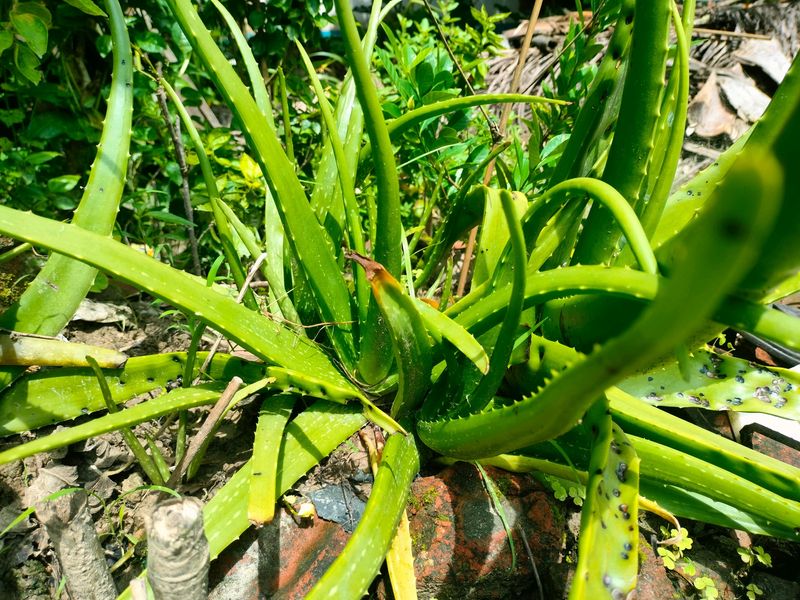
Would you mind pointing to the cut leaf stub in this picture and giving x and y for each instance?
(719, 382)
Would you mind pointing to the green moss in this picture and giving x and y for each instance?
(9, 290)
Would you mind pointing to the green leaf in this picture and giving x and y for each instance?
(27, 63)
(63, 183)
(88, 7)
(410, 341)
(18, 349)
(272, 419)
(719, 382)
(271, 341)
(6, 41)
(176, 400)
(52, 396)
(32, 29)
(354, 569)
(166, 217)
(441, 327)
(609, 538)
(39, 158)
(37, 9)
(249, 167)
(150, 41)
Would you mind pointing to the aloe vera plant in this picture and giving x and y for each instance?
(646, 280)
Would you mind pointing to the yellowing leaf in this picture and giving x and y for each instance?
(249, 167)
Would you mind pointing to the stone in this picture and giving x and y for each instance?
(460, 546)
(767, 444)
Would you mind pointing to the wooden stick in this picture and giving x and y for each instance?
(71, 529)
(177, 550)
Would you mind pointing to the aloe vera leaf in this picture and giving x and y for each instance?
(145, 462)
(53, 296)
(272, 419)
(633, 137)
(777, 129)
(400, 562)
(485, 311)
(375, 353)
(641, 419)
(269, 340)
(260, 94)
(387, 244)
(440, 326)
(671, 498)
(671, 126)
(176, 400)
(273, 269)
(410, 341)
(608, 545)
(494, 233)
(698, 490)
(306, 236)
(220, 219)
(732, 230)
(602, 102)
(225, 515)
(719, 382)
(54, 395)
(783, 259)
(326, 199)
(700, 507)
(354, 569)
(763, 321)
(19, 349)
(351, 209)
(599, 111)
(558, 283)
(672, 467)
(609, 197)
(498, 363)
(289, 380)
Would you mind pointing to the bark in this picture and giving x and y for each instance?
(71, 529)
(177, 551)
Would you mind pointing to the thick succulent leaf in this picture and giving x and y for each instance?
(634, 133)
(171, 402)
(657, 425)
(354, 569)
(780, 516)
(267, 339)
(730, 232)
(494, 233)
(719, 382)
(19, 349)
(289, 380)
(326, 424)
(51, 396)
(639, 418)
(609, 537)
(254, 74)
(442, 327)
(272, 420)
(49, 302)
(410, 341)
(306, 237)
